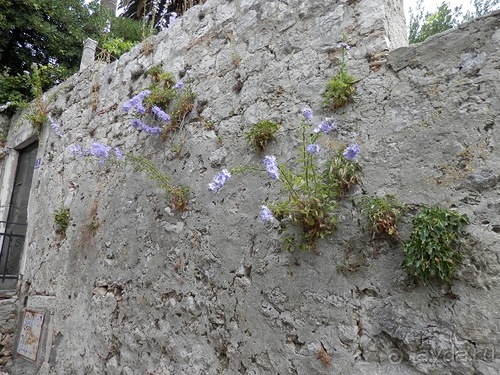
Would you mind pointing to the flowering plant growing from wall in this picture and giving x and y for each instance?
(176, 96)
(311, 193)
(136, 105)
(340, 88)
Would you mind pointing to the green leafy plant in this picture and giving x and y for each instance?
(261, 134)
(178, 194)
(432, 252)
(183, 104)
(113, 48)
(178, 97)
(162, 87)
(308, 211)
(38, 115)
(341, 87)
(61, 218)
(382, 215)
(15, 91)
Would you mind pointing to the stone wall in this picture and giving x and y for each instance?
(8, 321)
(208, 290)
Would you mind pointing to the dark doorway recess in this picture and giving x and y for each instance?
(14, 229)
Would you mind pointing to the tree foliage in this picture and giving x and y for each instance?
(49, 34)
(158, 11)
(425, 25)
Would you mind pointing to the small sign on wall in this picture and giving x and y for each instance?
(30, 334)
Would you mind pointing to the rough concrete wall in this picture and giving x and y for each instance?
(208, 291)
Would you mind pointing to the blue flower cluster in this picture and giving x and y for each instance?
(272, 167)
(98, 150)
(325, 126)
(138, 124)
(179, 85)
(313, 148)
(136, 102)
(307, 113)
(219, 180)
(57, 129)
(266, 215)
(351, 152)
(160, 113)
(343, 45)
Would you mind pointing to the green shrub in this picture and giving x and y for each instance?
(433, 249)
(261, 133)
(339, 90)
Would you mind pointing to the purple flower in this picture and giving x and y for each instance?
(325, 126)
(160, 113)
(136, 102)
(219, 180)
(313, 148)
(179, 85)
(57, 129)
(137, 124)
(307, 113)
(128, 106)
(140, 108)
(266, 215)
(97, 149)
(351, 152)
(118, 153)
(272, 167)
(343, 45)
(76, 150)
(100, 151)
(150, 130)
